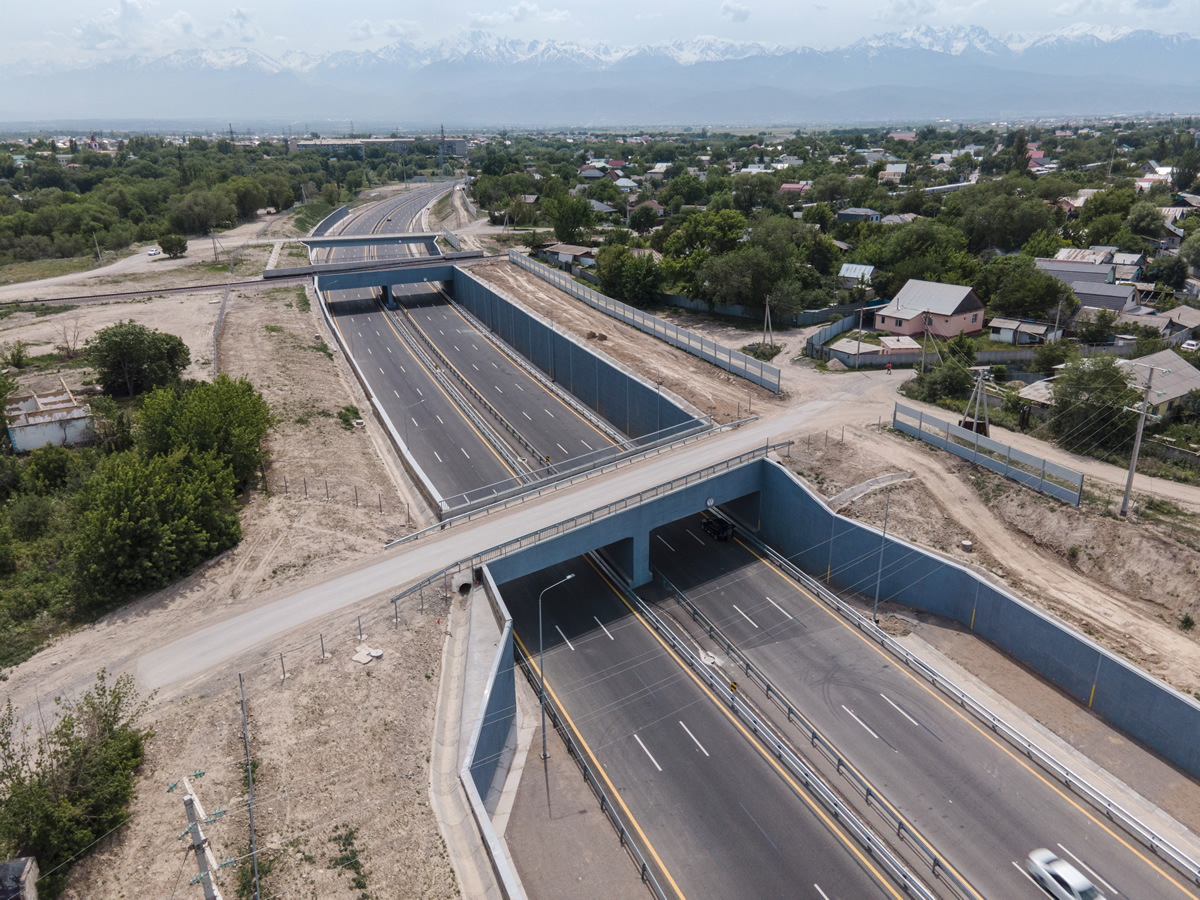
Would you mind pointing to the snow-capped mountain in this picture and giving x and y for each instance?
(480, 78)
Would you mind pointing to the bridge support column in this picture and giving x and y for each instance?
(388, 300)
(631, 558)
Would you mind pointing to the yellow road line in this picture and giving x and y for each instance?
(963, 716)
(851, 845)
(596, 767)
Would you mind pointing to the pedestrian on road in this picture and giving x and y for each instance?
(889, 368)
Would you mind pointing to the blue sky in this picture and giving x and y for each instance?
(79, 29)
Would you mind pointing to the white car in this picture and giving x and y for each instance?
(1190, 346)
(154, 251)
(1059, 878)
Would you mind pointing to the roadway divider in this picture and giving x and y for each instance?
(811, 780)
(538, 375)
(403, 322)
(896, 822)
(451, 239)
(734, 361)
(529, 667)
(1068, 777)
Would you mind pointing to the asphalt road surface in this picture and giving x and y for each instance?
(980, 803)
(458, 460)
(716, 815)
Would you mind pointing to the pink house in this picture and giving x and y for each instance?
(951, 308)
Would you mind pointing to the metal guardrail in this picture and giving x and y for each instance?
(734, 361)
(606, 805)
(898, 823)
(1101, 801)
(812, 781)
(568, 479)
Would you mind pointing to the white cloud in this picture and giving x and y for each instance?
(524, 11)
(401, 28)
(116, 27)
(735, 12)
(240, 25)
(361, 30)
(905, 10)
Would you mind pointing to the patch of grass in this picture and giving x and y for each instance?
(302, 301)
(38, 309)
(274, 329)
(344, 840)
(1187, 623)
(33, 270)
(346, 415)
(311, 214)
(765, 352)
(321, 347)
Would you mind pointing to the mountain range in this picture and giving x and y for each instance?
(481, 79)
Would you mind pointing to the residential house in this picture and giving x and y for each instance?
(941, 309)
(591, 173)
(1185, 318)
(1174, 378)
(897, 343)
(646, 251)
(602, 209)
(798, 188)
(1072, 205)
(1161, 324)
(625, 184)
(857, 214)
(1117, 298)
(51, 418)
(653, 204)
(910, 136)
(1069, 272)
(567, 255)
(1095, 256)
(1017, 332)
(899, 219)
(893, 172)
(853, 274)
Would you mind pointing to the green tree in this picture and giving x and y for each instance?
(1096, 327)
(643, 218)
(130, 358)
(1091, 397)
(68, 788)
(1145, 221)
(174, 245)
(1015, 286)
(227, 418)
(144, 521)
(570, 215)
(1043, 244)
(1190, 251)
(1052, 354)
(1168, 270)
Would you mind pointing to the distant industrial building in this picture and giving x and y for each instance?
(453, 146)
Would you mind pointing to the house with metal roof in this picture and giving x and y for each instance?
(857, 214)
(853, 274)
(942, 310)
(1116, 297)
(1071, 271)
(1173, 380)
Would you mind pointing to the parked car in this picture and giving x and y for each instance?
(1190, 346)
(718, 528)
(1059, 878)
(154, 251)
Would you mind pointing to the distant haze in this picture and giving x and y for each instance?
(482, 79)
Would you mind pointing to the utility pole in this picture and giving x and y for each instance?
(926, 320)
(1137, 441)
(858, 349)
(204, 858)
(250, 778)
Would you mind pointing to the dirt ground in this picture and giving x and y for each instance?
(704, 386)
(344, 746)
(329, 739)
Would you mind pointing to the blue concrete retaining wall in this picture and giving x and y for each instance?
(499, 703)
(635, 407)
(329, 221)
(800, 526)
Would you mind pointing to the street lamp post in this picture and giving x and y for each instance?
(542, 660)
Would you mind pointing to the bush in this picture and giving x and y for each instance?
(1187, 623)
(29, 514)
(174, 245)
(70, 787)
(131, 358)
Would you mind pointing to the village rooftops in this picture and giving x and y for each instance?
(917, 297)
